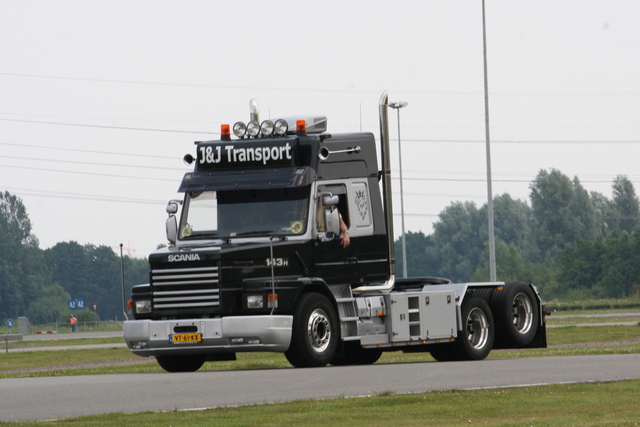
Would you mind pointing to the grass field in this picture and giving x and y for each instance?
(613, 404)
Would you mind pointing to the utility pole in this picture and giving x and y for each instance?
(124, 307)
(492, 242)
(397, 106)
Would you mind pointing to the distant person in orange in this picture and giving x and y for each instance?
(73, 321)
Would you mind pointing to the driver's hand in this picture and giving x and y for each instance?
(346, 241)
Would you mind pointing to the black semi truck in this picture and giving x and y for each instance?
(284, 243)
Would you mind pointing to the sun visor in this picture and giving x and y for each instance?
(248, 180)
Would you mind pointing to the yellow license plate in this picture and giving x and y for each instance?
(185, 338)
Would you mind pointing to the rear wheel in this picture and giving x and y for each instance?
(477, 336)
(188, 363)
(475, 340)
(314, 336)
(517, 314)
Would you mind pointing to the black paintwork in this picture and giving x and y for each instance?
(243, 268)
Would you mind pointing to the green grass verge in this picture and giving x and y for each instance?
(591, 334)
(600, 304)
(37, 359)
(609, 404)
(572, 341)
(65, 342)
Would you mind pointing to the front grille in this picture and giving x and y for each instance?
(185, 288)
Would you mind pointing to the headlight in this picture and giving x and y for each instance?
(143, 306)
(255, 301)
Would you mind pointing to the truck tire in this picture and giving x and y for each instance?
(188, 363)
(475, 340)
(445, 352)
(354, 354)
(517, 314)
(314, 335)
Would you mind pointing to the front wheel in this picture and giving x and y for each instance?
(314, 336)
(188, 363)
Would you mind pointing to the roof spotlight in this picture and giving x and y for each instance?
(253, 129)
(266, 128)
(281, 127)
(239, 129)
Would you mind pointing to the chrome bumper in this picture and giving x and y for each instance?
(233, 334)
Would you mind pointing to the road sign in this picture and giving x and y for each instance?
(10, 323)
(94, 306)
(76, 304)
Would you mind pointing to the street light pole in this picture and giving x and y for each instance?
(124, 307)
(397, 106)
(492, 242)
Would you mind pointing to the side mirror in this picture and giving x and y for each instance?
(330, 200)
(172, 207)
(172, 229)
(332, 222)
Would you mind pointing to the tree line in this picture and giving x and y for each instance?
(569, 242)
(39, 283)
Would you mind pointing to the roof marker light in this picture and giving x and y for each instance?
(225, 134)
(301, 128)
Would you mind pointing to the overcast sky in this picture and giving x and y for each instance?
(100, 100)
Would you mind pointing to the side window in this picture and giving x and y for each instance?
(343, 208)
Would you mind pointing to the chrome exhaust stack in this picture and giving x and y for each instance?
(383, 108)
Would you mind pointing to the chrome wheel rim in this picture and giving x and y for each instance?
(319, 330)
(522, 313)
(477, 328)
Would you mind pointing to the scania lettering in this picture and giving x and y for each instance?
(284, 243)
(183, 257)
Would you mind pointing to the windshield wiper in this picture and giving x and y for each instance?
(259, 233)
(201, 235)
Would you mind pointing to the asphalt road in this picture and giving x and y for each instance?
(46, 398)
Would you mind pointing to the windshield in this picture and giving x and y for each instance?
(245, 213)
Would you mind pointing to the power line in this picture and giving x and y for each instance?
(88, 173)
(108, 127)
(557, 141)
(80, 196)
(194, 85)
(475, 180)
(89, 163)
(420, 140)
(290, 89)
(497, 180)
(40, 147)
(118, 119)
